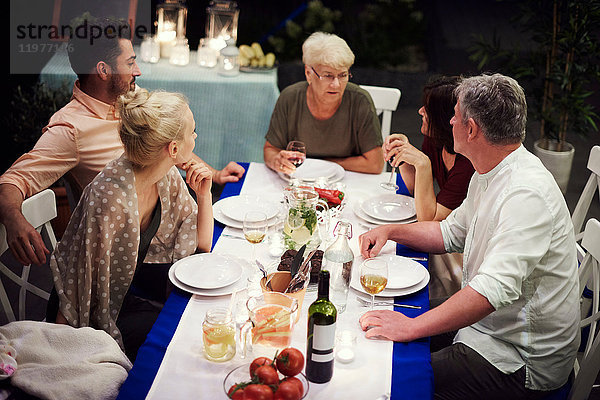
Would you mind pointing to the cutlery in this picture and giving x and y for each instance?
(295, 266)
(229, 235)
(365, 303)
(418, 258)
(262, 268)
(301, 280)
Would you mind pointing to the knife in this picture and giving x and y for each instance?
(297, 261)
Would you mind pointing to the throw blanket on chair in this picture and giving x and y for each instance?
(56, 361)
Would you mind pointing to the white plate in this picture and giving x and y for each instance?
(314, 168)
(225, 220)
(389, 207)
(374, 222)
(403, 272)
(226, 290)
(236, 207)
(208, 271)
(388, 292)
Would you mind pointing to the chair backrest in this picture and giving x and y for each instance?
(386, 101)
(39, 210)
(586, 369)
(587, 195)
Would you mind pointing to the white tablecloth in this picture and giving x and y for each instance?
(185, 373)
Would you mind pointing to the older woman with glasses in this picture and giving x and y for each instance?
(336, 119)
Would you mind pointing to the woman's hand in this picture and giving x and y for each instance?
(281, 162)
(198, 176)
(398, 148)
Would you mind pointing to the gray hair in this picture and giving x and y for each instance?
(327, 49)
(497, 104)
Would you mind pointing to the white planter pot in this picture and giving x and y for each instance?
(557, 162)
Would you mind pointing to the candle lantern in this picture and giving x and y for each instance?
(229, 64)
(171, 16)
(221, 22)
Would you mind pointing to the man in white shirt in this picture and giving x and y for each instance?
(517, 314)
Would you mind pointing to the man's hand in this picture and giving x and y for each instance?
(386, 324)
(231, 173)
(198, 176)
(371, 242)
(24, 241)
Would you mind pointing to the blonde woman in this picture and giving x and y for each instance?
(134, 220)
(335, 118)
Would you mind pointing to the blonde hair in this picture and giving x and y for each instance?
(149, 121)
(327, 49)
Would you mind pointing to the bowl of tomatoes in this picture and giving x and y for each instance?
(280, 378)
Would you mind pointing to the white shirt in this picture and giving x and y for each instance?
(519, 252)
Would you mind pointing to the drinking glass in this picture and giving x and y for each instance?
(299, 147)
(255, 228)
(373, 276)
(390, 184)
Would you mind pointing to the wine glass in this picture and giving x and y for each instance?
(299, 147)
(373, 276)
(390, 184)
(255, 229)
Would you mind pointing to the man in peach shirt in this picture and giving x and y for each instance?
(81, 138)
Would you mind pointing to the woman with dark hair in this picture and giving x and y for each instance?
(437, 159)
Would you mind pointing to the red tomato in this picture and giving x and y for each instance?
(258, 392)
(235, 394)
(290, 361)
(288, 391)
(267, 375)
(297, 382)
(259, 362)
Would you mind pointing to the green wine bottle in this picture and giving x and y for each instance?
(321, 334)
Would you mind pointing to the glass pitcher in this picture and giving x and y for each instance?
(270, 323)
(304, 212)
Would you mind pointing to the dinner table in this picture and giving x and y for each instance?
(171, 363)
(232, 113)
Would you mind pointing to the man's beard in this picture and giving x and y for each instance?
(117, 87)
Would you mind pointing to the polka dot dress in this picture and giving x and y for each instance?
(94, 263)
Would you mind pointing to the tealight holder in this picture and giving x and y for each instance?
(345, 345)
(150, 49)
(180, 54)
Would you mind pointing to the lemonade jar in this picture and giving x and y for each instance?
(301, 225)
(218, 334)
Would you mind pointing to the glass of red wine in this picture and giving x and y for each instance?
(300, 149)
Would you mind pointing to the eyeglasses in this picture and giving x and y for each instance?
(328, 78)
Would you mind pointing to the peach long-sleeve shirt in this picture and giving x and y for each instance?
(81, 138)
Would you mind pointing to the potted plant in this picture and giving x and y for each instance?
(560, 67)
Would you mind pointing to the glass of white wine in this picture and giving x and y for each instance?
(255, 229)
(373, 276)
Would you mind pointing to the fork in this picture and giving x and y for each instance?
(365, 303)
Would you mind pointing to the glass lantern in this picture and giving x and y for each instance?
(221, 23)
(229, 64)
(171, 16)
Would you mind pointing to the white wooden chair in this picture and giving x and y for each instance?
(39, 210)
(587, 195)
(587, 366)
(386, 101)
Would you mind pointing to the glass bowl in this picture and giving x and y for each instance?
(242, 374)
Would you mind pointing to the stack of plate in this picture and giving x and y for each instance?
(230, 211)
(313, 168)
(208, 274)
(388, 208)
(405, 276)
